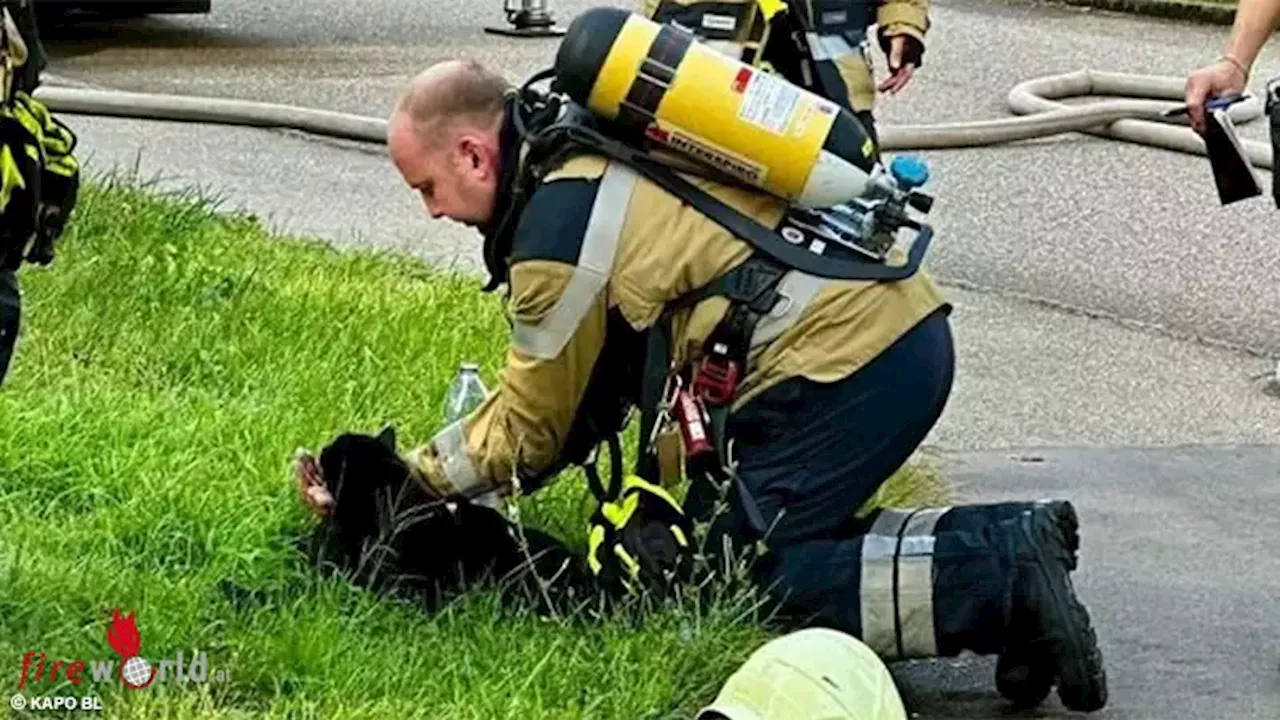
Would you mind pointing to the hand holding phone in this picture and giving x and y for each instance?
(1216, 103)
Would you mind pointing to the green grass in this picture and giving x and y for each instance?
(170, 362)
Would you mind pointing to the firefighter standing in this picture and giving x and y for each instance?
(39, 174)
(844, 381)
(820, 45)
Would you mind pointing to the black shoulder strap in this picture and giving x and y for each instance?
(764, 239)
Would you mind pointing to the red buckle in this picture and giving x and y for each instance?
(716, 380)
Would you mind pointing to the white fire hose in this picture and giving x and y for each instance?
(1134, 119)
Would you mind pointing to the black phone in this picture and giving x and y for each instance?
(1232, 172)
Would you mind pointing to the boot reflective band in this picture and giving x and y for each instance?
(897, 584)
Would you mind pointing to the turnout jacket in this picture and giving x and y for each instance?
(836, 34)
(597, 253)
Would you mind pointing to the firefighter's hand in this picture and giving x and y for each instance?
(309, 482)
(905, 54)
(640, 539)
(1221, 78)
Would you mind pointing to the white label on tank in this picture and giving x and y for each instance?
(769, 102)
(719, 22)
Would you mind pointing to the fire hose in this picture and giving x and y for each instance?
(1136, 118)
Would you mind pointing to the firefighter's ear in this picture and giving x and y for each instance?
(387, 436)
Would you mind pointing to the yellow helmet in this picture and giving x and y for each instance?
(811, 674)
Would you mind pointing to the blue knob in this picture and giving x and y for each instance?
(909, 171)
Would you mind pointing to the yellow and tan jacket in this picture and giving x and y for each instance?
(598, 253)
(837, 43)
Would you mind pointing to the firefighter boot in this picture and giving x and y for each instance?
(1049, 615)
(1025, 670)
(925, 584)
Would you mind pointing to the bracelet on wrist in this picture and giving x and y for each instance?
(1233, 60)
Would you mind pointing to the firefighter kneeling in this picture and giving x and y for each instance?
(811, 390)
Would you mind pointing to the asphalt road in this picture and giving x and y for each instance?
(1167, 447)
(1128, 231)
(1182, 593)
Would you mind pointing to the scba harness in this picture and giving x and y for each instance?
(39, 173)
(639, 536)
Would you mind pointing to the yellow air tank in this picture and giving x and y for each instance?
(658, 81)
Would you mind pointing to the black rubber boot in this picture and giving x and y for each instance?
(1025, 671)
(1051, 615)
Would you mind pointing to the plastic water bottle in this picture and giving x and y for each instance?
(466, 392)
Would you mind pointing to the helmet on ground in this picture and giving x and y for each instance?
(811, 674)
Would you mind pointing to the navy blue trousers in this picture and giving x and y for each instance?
(821, 450)
(810, 456)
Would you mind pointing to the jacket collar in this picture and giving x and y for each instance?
(500, 231)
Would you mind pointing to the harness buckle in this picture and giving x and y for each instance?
(717, 376)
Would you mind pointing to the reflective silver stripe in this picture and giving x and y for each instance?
(889, 522)
(451, 448)
(924, 521)
(879, 625)
(595, 260)
(915, 585)
(828, 47)
(905, 539)
(725, 47)
(798, 290)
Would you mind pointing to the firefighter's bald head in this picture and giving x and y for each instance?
(443, 136)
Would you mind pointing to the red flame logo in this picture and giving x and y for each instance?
(122, 635)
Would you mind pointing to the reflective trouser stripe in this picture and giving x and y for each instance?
(897, 584)
(725, 47)
(825, 48)
(595, 261)
(827, 51)
(878, 611)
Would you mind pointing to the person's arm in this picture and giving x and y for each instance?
(1254, 23)
(902, 25)
(523, 424)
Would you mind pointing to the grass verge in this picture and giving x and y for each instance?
(169, 364)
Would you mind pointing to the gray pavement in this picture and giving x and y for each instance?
(1177, 566)
(1168, 447)
(1122, 229)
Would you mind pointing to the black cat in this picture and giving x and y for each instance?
(387, 534)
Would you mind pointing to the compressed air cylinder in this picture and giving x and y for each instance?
(660, 82)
